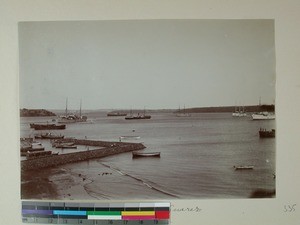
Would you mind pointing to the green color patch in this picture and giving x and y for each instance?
(104, 213)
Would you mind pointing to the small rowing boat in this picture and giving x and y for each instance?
(144, 154)
(250, 167)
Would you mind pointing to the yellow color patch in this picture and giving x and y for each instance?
(138, 213)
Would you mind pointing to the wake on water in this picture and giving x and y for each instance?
(139, 179)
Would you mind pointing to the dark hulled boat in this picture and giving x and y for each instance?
(47, 126)
(248, 167)
(145, 154)
(263, 133)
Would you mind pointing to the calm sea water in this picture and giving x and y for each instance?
(197, 158)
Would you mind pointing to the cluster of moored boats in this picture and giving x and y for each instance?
(131, 116)
(33, 149)
(255, 116)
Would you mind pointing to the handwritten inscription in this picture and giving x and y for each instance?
(195, 209)
(289, 208)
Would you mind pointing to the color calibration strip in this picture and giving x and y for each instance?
(95, 213)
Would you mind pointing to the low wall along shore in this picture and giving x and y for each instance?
(107, 148)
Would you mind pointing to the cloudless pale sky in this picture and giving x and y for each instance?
(146, 63)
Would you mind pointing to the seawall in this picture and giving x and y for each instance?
(110, 148)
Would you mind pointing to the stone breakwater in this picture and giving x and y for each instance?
(107, 148)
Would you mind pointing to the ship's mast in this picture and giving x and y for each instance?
(66, 106)
(80, 108)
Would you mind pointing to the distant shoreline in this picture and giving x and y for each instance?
(35, 112)
(213, 109)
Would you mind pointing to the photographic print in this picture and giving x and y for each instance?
(147, 109)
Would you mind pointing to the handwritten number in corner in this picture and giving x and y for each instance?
(290, 208)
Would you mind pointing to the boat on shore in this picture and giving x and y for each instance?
(263, 116)
(263, 133)
(47, 126)
(145, 154)
(248, 167)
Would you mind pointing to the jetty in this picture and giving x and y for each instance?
(105, 149)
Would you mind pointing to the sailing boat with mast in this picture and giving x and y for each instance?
(240, 112)
(183, 113)
(72, 118)
(138, 116)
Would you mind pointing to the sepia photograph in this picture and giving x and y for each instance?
(147, 109)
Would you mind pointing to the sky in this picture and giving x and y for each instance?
(152, 64)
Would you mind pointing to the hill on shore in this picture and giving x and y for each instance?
(253, 108)
(35, 112)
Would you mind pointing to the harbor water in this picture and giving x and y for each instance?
(197, 158)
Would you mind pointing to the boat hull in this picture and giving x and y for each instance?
(51, 136)
(117, 114)
(267, 133)
(47, 126)
(148, 154)
(263, 116)
(243, 167)
(137, 117)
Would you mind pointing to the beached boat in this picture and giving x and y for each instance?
(145, 154)
(263, 116)
(249, 167)
(47, 126)
(263, 133)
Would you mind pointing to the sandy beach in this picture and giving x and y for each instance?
(99, 183)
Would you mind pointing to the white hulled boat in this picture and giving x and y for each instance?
(263, 116)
